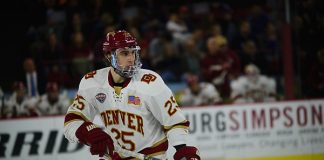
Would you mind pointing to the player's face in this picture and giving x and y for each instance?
(21, 92)
(252, 76)
(126, 56)
(195, 89)
(53, 96)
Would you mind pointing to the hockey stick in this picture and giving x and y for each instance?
(127, 153)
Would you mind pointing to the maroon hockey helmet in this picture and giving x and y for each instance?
(118, 39)
(122, 39)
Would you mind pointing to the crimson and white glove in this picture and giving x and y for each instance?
(98, 140)
(187, 153)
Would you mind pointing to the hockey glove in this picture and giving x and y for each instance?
(93, 136)
(187, 153)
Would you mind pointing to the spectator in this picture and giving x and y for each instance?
(75, 24)
(228, 24)
(220, 65)
(251, 54)
(216, 30)
(171, 67)
(198, 36)
(146, 61)
(315, 78)
(243, 35)
(52, 102)
(34, 78)
(55, 17)
(258, 20)
(199, 93)
(61, 77)
(157, 47)
(192, 57)
(253, 87)
(81, 55)
(177, 26)
(270, 46)
(165, 55)
(19, 103)
(53, 53)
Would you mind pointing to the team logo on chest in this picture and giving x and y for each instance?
(134, 100)
(101, 97)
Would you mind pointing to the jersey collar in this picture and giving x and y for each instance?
(112, 83)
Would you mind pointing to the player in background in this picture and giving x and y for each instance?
(19, 103)
(199, 93)
(52, 102)
(253, 87)
(137, 108)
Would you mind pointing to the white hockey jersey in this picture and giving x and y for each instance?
(247, 91)
(208, 95)
(44, 107)
(25, 108)
(141, 116)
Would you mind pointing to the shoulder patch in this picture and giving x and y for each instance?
(148, 78)
(90, 74)
(101, 97)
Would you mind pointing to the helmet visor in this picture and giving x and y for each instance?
(127, 70)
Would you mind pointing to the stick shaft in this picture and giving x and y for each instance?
(127, 153)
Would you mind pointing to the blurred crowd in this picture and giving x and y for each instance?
(225, 52)
(22, 104)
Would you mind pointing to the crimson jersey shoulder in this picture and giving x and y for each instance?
(150, 82)
(93, 79)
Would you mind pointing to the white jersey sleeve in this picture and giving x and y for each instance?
(81, 109)
(165, 109)
(207, 95)
(237, 87)
(270, 85)
(270, 88)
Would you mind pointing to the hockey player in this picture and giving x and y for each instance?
(138, 110)
(19, 103)
(52, 102)
(253, 87)
(199, 93)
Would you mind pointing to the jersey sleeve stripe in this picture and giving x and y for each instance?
(158, 148)
(159, 142)
(184, 124)
(74, 116)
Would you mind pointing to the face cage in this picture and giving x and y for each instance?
(127, 72)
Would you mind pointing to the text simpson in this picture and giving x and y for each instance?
(249, 118)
